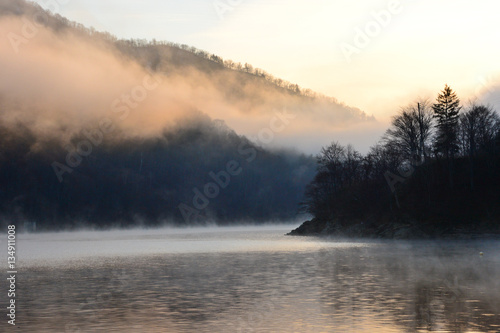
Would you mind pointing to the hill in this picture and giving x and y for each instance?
(100, 131)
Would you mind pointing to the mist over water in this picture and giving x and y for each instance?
(253, 279)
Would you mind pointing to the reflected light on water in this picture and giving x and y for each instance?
(253, 280)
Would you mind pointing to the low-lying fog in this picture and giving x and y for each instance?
(253, 279)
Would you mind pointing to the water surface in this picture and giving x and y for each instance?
(253, 279)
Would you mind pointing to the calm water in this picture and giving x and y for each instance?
(252, 280)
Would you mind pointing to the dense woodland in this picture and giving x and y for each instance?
(436, 171)
(144, 181)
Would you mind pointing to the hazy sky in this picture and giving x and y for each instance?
(373, 54)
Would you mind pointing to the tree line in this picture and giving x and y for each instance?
(437, 166)
(59, 23)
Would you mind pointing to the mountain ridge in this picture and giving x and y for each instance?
(178, 59)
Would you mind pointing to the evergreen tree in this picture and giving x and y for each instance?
(446, 112)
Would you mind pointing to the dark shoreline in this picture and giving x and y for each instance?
(410, 231)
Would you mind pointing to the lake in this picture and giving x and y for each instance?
(251, 279)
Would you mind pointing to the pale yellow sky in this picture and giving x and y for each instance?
(396, 50)
(413, 52)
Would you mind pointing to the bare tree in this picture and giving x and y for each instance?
(330, 161)
(425, 118)
(248, 68)
(478, 127)
(352, 165)
(411, 131)
(404, 133)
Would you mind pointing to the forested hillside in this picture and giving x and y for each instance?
(100, 131)
(181, 178)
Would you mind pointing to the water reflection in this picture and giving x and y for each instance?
(368, 287)
(423, 287)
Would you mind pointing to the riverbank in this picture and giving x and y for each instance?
(394, 230)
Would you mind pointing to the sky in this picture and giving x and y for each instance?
(377, 55)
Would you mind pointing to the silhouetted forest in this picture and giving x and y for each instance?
(137, 181)
(435, 172)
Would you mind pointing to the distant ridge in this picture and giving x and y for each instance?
(176, 59)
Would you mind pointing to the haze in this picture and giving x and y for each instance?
(424, 45)
(37, 73)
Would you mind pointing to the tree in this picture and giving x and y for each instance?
(216, 59)
(229, 64)
(339, 169)
(322, 191)
(446, 111)
(352, 165)
(411, 131)
(478, 127)
(404, 132)
(248, 68)
(331, 161)
(425, 124)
